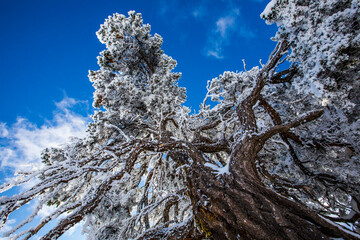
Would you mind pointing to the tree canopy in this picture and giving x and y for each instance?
(273, 151)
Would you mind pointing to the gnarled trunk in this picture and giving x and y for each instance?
(237, 205)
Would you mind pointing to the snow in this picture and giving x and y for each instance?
(136, 101)
(218, 170)
(342, 228)
(268, 8)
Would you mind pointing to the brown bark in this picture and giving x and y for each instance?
(238, 206)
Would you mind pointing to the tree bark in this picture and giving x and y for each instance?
(238, 205)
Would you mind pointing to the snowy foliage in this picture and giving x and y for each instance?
(325, 41)
(130, 178)
(325, 45)
(135, 83)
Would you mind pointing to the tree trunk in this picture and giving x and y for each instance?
(238, 205)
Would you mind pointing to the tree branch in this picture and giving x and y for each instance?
(283, 76)
(310, 116)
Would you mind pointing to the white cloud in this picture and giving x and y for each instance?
(215, 53)
(6, 228)
(75, 230)
(67, 103)
(22, 143)
(224, 24)
(225, 28)
(3, 130)
(46, 211)
(25, 140)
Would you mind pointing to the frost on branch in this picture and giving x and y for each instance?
(325, 45)
(263, 158)
(325, 41)
(135, 83)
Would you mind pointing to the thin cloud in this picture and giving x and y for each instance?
(219, 35)
(199, 11)
(224, 24)
(3, 130)
(216, 49)
(225, 28)
(45, 211)
(23, 142)
(7, 227)
(215, 53)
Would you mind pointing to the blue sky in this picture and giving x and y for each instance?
(48, 46)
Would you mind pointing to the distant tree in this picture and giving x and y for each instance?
(276, 156)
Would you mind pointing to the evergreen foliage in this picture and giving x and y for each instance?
(276, 154)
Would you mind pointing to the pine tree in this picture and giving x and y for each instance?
(276, 156)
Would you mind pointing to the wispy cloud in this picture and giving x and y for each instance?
(3, 130)
(199, 11)
(7, 227)
(226, 27)
(22, 142)
(224, 24)
(219, 35)
(223, 19)
(216, 53)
